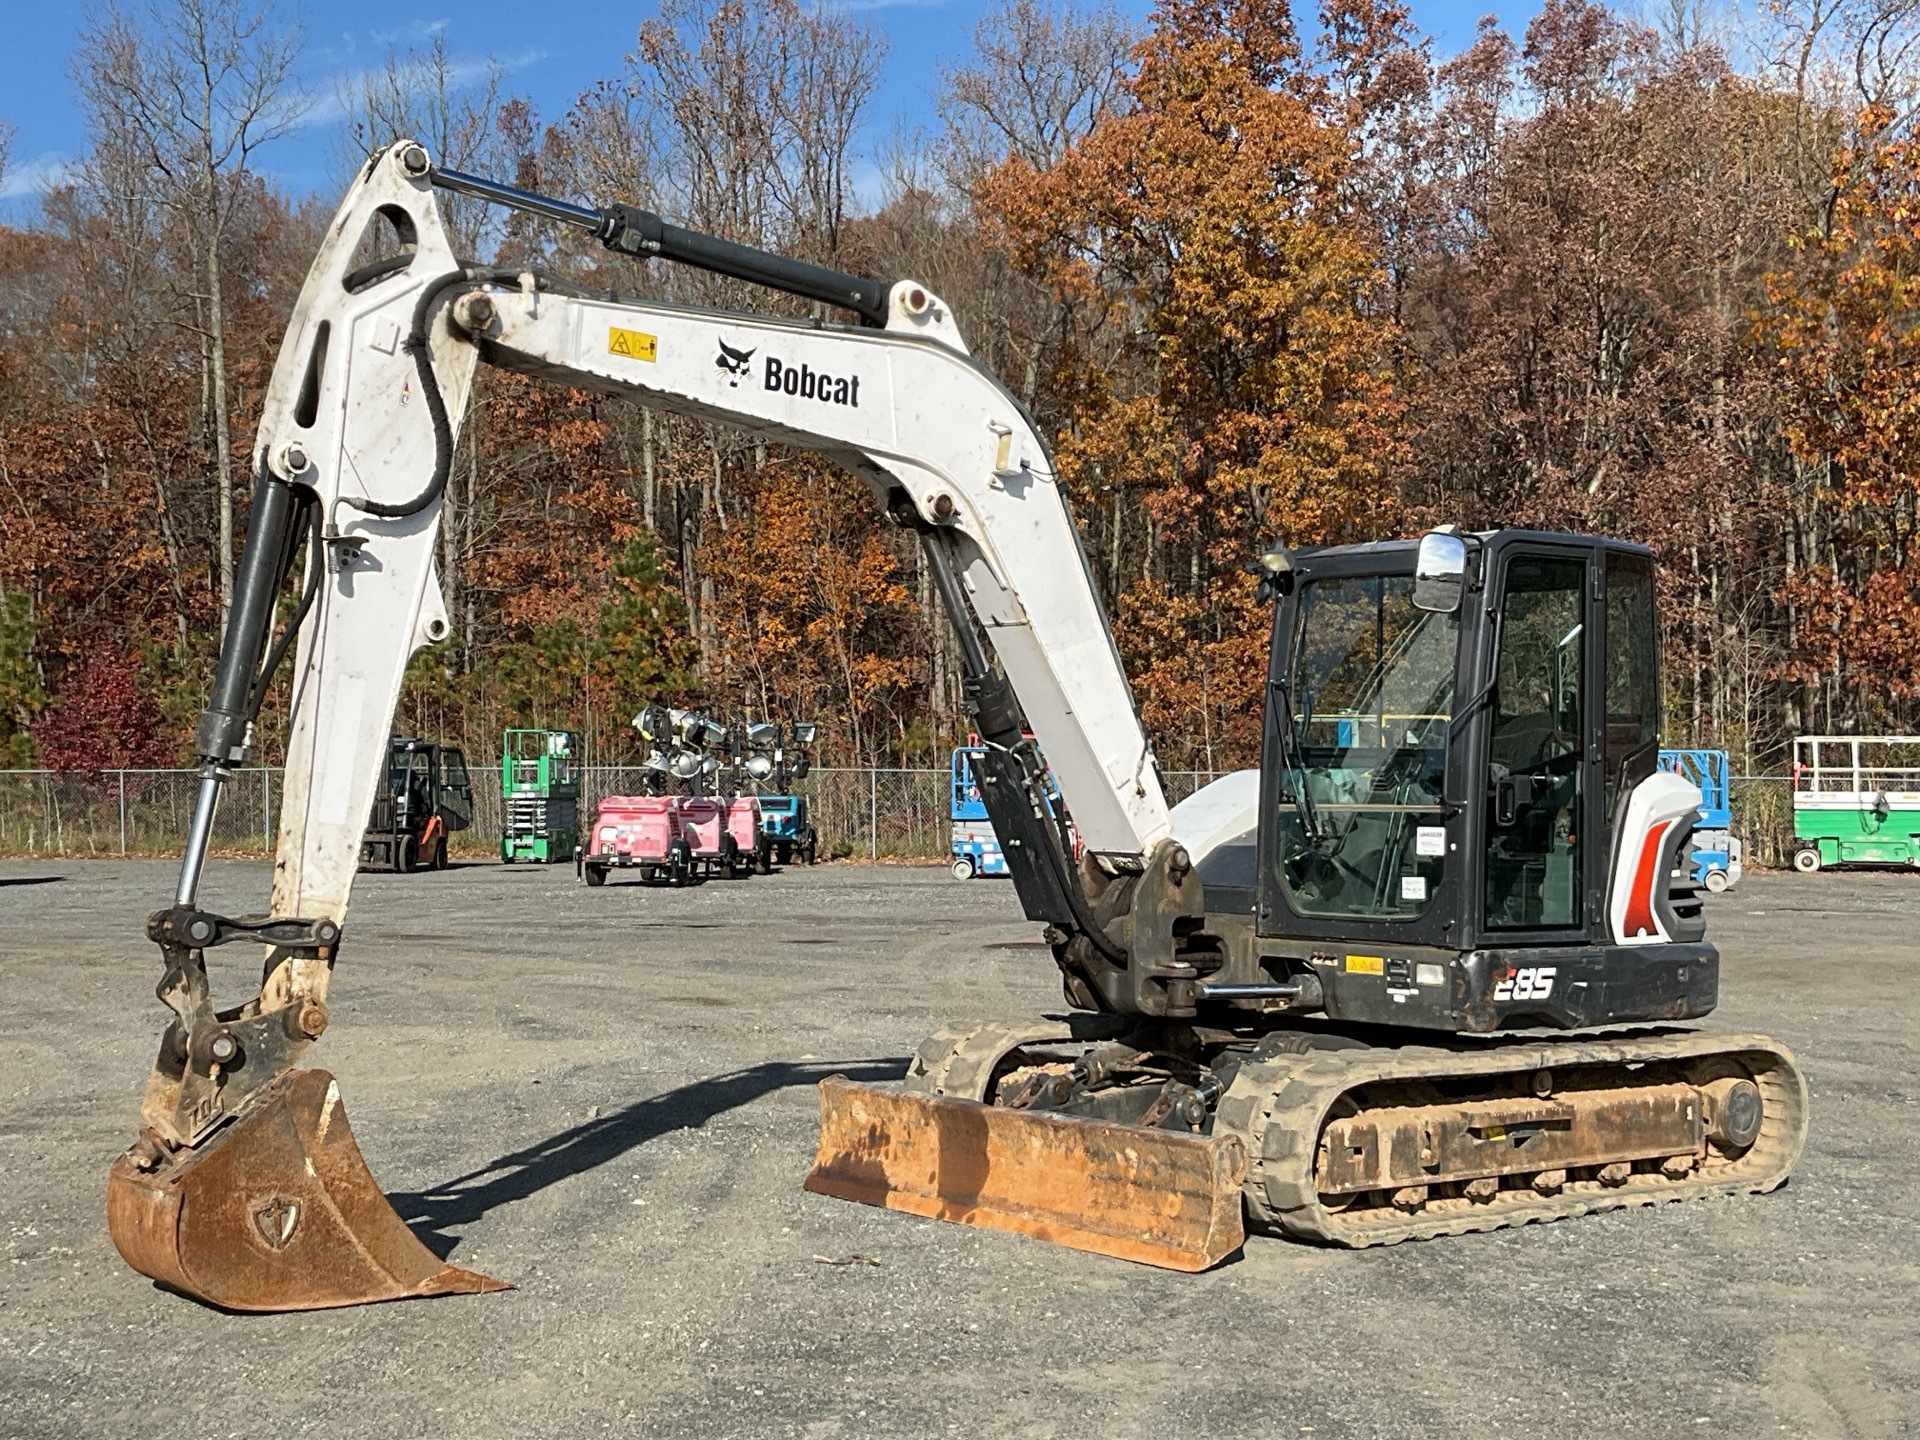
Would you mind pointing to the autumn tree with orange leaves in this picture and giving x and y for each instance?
(1242, 392)
(1594, 276)
(811, 621)
(1848, 367)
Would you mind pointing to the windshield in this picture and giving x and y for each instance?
(1371, 695)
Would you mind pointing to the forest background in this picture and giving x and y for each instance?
(1647, 276)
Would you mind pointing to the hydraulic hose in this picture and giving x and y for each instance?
(986, 684)
(316, 564)
(419, 344)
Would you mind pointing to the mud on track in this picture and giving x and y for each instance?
(606, 1097)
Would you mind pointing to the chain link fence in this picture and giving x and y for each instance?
(872, 813)
(130, 812)
(875, 813)
(1763, 819)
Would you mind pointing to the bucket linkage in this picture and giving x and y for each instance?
(246, 1188)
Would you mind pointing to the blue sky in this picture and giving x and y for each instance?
(553, 51)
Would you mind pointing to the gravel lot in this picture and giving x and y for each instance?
(606, 1098)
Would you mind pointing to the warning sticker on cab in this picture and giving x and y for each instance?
(1366, 965)
(634, 344)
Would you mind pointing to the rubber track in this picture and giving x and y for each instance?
(960, 1060)
(1280, 1106)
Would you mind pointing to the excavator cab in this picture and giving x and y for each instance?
(1444, 782)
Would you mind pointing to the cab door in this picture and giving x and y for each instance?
(1358, 840)
(1540, 805)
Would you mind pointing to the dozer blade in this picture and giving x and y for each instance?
(1155, 1196)
(277, 1212)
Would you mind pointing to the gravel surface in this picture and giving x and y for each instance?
(605, 1097)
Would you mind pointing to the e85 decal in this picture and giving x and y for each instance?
(1535, 982)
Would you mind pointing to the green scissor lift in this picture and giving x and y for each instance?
(540, 794)
(1856, 801)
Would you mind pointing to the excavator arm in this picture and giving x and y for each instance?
(245, 1187)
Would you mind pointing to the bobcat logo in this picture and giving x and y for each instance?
(734, 362)
(276, 1221)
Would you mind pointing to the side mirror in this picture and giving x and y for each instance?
(1440, 572)
(1275, 569)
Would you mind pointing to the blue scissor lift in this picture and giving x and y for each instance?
(1716, 850)
(976, 848)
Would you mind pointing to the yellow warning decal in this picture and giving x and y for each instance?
(1366, 965)
(634, 344)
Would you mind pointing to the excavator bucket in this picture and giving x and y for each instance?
(277, 1212)
(1156, 1196)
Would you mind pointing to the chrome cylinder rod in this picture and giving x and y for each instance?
(515, 198)
(212, 777)
(1249, 992)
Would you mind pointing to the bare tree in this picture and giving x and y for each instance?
(191, 89)
(833, 68)
(1042, 75)
(757, 106)
(1883, 44)
(1843, 54)
(7, 132)
(1685, 25)
(450, 106)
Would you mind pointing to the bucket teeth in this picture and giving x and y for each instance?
(1154, 1196)
(276, 1212)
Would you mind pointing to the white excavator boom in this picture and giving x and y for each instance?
(355, 445)
(903, 407)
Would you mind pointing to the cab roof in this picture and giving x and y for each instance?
(1405, 549)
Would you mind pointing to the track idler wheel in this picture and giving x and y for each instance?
(276, 1212)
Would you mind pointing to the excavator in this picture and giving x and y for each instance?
(1418, 974)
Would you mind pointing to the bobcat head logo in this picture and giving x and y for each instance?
(734, 362)
(276, 1220)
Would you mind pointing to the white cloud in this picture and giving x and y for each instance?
(411, 33)
(38, 175)
(332, 98)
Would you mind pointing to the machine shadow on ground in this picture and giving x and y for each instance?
(521, 1173)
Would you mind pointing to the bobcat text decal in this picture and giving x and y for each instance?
(810, 384)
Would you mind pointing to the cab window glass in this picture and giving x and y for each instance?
(1633, 689)
(1535, 760)
(1368, 703)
